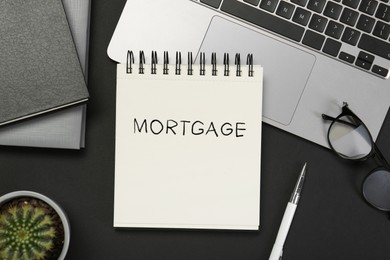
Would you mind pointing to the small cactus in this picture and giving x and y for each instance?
(29, 230)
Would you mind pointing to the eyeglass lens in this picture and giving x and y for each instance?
(376, 189)
(349, 138)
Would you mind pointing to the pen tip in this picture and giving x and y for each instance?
(304, 169)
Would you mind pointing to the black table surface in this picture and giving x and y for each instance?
(332, 220)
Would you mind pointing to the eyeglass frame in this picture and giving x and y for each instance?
(375, 153)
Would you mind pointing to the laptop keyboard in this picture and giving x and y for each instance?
(352, 31)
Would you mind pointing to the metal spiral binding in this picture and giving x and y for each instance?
(154, 62)
(178, 63)
(190, 70)
(214, 64)
(202, 64)
(237, 62)
(141, 62)
(166, 63)
(129, 62)
(226, 70)
(249, 62)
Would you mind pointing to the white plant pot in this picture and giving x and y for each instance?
(17, 194)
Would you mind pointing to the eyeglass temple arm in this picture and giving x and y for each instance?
(330, 118)
(381, 158)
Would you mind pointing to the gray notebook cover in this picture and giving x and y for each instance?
(40, 69)
(65, 128)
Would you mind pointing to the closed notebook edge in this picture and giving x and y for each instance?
(78, 13)
(60, 129)
(125, 225)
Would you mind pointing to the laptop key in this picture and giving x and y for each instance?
(212, 3)
(252, 2)
(366, 56)
(333, 10)
(269, 5)
(318, 23)
(383, 12)
(285, 9)
(316, 5)
(375, 46)
(334, 29)
(350, 36)
(380, 70)
(351, 3)
(299, 2)
(365, 23)
(347, 57)
(363, 64)
(263, 19)
(382, 30)
(313, 39)
(368, 6)
(349, 16)
(332, 47)
(301, 16)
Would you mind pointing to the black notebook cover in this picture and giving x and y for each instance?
(40, 70)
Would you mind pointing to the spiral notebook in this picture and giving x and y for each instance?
(188, 143)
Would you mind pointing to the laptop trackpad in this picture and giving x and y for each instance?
(286, 69)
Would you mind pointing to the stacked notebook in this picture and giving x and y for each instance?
(42, 73)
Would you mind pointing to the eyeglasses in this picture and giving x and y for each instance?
(350, 139)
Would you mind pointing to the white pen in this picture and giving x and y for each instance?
(288, 216)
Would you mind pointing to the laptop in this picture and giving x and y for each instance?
(316, 54)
